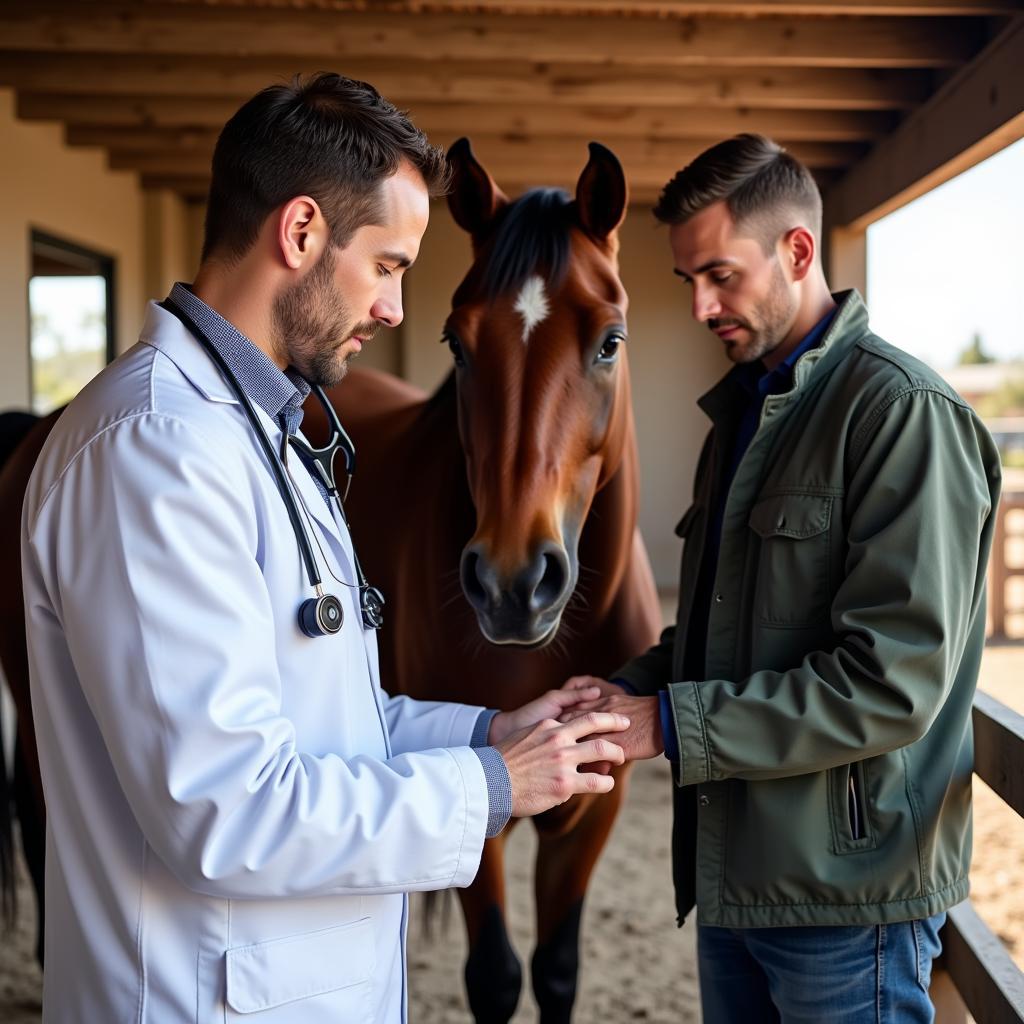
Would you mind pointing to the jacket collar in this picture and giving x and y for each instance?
(849, 325)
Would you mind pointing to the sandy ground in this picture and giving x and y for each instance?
(637, 966)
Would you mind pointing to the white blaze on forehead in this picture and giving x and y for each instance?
(532, 305)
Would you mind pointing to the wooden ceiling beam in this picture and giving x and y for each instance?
(540, 123)
(532, 160)
(640, 193)
(642, 8)
(975, 114)
(312, 35)
(194, 190)
(149, 81)
(127, 111)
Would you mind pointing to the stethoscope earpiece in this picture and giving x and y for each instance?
(371, 604)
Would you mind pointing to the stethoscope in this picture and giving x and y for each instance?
(321, 615)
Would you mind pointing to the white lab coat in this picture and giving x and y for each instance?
(235, 811)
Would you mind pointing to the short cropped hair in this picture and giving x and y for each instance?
(329, 137)
(766, 190)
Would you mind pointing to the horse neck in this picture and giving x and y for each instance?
(437, 450)
(606, 544)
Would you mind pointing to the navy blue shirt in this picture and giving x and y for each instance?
(757, 384)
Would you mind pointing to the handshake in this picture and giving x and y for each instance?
(567, 741)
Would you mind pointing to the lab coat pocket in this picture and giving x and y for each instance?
(309, 978)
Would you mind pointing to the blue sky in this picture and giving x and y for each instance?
(952, 263)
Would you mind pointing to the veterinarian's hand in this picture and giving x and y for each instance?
(548, 705)
(643, 739)
(543, 761)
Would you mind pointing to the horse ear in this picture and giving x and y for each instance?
(474, 199)
(601, 193)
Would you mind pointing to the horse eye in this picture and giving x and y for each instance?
(610, 349)
(455, 348)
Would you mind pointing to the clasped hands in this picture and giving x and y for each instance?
(643, 739)
(567, 741)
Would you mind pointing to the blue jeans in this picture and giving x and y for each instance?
(877, 974)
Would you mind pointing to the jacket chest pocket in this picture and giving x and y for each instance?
(792, 588)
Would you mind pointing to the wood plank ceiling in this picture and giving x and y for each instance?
(530, 81)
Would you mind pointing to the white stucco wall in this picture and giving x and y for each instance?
(69, 193)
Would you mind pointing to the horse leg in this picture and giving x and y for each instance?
(8, 899)
(565, 861)
(493, 974)
(32, 819)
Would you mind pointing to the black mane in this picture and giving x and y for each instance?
(532, 238)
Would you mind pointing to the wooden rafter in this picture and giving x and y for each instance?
(406, 82)
(517, 167)
(976, 113)
(505, 121)
(530, 81)
(771, 41)
(637, 8)
(523, 161)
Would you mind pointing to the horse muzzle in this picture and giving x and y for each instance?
(523, 607)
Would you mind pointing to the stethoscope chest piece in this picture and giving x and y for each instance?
(321, 615)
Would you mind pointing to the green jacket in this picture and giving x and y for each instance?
(825, 768)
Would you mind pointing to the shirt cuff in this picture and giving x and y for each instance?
(626, 685)
(499, 789)
(482, 727)
(668, 727)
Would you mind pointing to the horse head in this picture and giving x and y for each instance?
(536, 332)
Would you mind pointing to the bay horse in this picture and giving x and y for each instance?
(499, 517)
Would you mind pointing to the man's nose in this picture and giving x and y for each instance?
(388, 308)
(705, 304)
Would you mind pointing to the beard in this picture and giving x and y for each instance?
(772, 318)
(311, 322)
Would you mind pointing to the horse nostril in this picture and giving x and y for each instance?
(552, 581)
(473, 575)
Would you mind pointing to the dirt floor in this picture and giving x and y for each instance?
(637, 966)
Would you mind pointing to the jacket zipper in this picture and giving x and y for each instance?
(855, 803)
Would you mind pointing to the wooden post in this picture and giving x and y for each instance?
(949, 1007)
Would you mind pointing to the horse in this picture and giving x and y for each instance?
(21, 439)
(499, 516)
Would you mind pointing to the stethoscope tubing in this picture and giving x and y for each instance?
(276, 466)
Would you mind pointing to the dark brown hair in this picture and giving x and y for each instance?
(763, 187)
(329, 137)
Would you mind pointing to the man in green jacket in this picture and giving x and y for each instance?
(815, 692)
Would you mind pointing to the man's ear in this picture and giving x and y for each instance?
(800, 250)
(302, 232)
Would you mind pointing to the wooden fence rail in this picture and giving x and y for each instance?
(987, 979)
